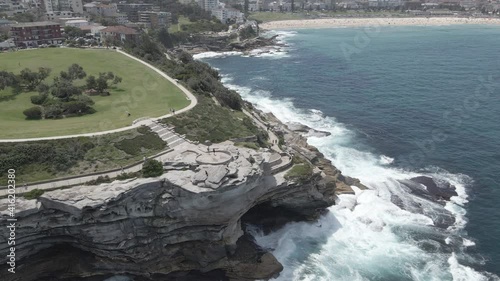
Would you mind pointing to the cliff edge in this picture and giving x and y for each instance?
(188, 224)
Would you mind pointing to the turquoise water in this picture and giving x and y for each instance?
(400, 102)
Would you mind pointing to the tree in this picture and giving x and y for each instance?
(39, 99)
(7, 79)
(102, 82)
(75, 72)
(33, 113)
(43, 88)
(91, 83)
(117, 80)
(64, 90)
(152, 168)
(71, 32)
(165, 38)
(32, 79)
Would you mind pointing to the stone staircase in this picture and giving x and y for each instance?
(167, 134)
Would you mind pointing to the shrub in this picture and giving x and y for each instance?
(99, 180)
(76, 107)
(53, 109)
(39, 99)
(299, 173)
(35, 193)
(135, 145)
(125, 176)
(152, 168)
(33, 113)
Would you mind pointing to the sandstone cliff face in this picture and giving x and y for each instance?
(157, 229)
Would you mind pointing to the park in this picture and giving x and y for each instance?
(141, 93)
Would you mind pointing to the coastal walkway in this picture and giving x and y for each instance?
(272, 136)
(167, 134)
(136, 123)
(82, 179)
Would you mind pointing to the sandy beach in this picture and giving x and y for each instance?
(353, 22)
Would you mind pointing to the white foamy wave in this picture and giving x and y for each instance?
(386, 160)
(282, 35)
(270, 52)
(366, 228)
(463, 273)
(468, 243)
(206, 55)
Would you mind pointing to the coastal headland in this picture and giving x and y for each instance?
(360, 22)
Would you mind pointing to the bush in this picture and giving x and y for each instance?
(299, 173)
(33, 113)
(125, 176)
(76, 107)
(53, 109)
(152, 168)
(39, 99)
(134, 146)
(33, 194)
(99, 180)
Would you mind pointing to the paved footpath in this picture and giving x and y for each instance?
(188, 94)
(83, 179)
(272, 136)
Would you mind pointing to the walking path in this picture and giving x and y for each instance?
(144, 121)
(79, 180)
(166, 134)
(272, 136)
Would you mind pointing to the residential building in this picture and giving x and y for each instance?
(11, 7)
(57, 15)
(74, 6)
(132, 10)
(227, 14)
(36, 33)
(120, 33)
(118, 18)
(155, 19)
(209, 5)
(100, 9)
(254, 5)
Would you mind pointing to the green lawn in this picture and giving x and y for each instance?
(143, 93)
(177, 27)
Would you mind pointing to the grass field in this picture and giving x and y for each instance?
(178, 27)
(143, 93)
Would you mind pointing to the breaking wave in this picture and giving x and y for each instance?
(385, 232)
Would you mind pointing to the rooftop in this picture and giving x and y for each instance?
(120, 29)
(33, 24)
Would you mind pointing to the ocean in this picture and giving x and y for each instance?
(399, 102)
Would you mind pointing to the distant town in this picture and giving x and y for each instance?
(40, 23)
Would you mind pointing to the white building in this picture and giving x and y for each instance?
(254, 6)
(209, 5)
(76, 23)
(51, 6)
(228, 14)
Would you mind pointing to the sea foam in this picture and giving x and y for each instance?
(365, 234)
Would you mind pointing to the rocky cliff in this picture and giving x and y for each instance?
(188, 224)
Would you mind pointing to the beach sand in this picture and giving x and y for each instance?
(360, 22)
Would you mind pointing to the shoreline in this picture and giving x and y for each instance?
(361, 22)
